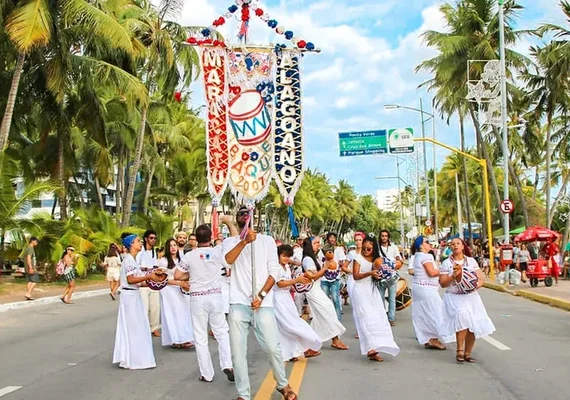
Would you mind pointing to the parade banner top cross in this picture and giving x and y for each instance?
(254, 121)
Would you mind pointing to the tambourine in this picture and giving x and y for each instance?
(157, 285)
(299, 287)
(468, 281)
(187, 293)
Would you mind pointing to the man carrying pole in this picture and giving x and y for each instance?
(249, 307)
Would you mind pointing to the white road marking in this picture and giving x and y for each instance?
(496, 343)
(8, 390)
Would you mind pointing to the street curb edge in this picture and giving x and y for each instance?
(50, 300)
(551, 301)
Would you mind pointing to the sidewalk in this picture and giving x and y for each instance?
(555, 296)
(48, 295)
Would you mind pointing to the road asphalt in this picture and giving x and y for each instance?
(64, 352)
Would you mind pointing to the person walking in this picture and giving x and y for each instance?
(69, 274)
(201, 267)
(253, 306)
(148, 260)
(133, 341)
(390, 250)
(112, 264)
(30, 267)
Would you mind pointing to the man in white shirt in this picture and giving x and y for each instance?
(390, 250)
(253, 307)
(202, 267)
(147, 260)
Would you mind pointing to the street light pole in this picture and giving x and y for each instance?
(428, 216)
(400, 202)
(435, 225)
(504, 119)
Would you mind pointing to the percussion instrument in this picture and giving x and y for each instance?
(299, 287)
(468, 281)
(403, 295)
(157, 285)
(249, 118)
(185, 292)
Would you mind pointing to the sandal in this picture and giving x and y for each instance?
(112, 296)
(311, 353)
(288, 393)
(470, 359)
(294, 359)
(175, 346)
(62, 299)
(204, 380)
(186, 346)
(374, 356)
(341, 346)
(229, 374)
(459, 357)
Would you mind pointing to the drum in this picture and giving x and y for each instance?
(468, 282)
(157, 285)
(249, 118)
(299, 287)
(185, 292)
(403, 295)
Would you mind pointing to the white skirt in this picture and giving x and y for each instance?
(427, 314)
(296, 335)
(175, 316)
(133, 343)
(374, 331)
(325, 321)
(226, 294)
(465, 311)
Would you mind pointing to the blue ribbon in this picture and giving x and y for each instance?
(294, 229)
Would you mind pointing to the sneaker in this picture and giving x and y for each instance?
(230, 374)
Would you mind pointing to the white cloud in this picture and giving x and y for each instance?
(342, 102)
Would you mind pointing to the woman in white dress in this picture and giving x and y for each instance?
(371, 320)
(427, 306)
(358, 238)
(175, 314)
(325, 321)
(112, 264)
(464, 314)
(133, 343)
(297, 337)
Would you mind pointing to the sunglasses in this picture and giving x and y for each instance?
(367, 248)
(242, 213)
(152, 238)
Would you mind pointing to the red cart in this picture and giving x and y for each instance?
(539, 271)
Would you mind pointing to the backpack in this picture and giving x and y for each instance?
(60, 267)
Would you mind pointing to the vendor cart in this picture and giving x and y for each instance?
(538, 270)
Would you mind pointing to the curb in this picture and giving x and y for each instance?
(551, 301)
(50, 300)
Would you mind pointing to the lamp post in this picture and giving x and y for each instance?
(504, 127)
(424, 120)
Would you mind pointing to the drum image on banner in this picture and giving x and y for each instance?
(288, 159)
(250, 108)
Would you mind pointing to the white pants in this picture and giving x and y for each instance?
(210, 309)
(151, 303)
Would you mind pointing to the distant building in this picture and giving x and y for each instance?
(387, 199)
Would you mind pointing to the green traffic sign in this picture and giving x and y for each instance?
(362, 143)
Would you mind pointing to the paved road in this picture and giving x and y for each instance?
(64, 352)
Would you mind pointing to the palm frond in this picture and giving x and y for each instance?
(30, 25)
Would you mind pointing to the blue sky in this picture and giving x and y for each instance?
(370, 49)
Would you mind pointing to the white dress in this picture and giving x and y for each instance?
(174, 312)
(296, 335)
(325, 321)
(133, 342)
(371, 321)
(464, 311)
(427, 306)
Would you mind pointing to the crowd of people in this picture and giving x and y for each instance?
(291, 295)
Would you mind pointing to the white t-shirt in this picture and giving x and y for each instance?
(147, 259)
(204, 265)
(266, 264)
(391, 251)
(420, 275)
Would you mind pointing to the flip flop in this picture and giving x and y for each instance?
(29, 298)
(202, 379)
(62, 299)
(335, 346)
(229, 374)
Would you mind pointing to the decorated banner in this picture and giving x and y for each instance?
(250, 110)
(214, 70)
(288, 155)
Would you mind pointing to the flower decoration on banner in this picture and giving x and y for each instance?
(246, 7)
